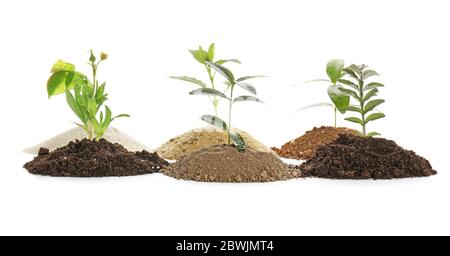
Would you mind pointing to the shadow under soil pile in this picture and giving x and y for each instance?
(304, 147)
(353, 157)
(223, 163)
(88, 158)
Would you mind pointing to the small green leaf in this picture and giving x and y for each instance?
(351, 73)
(120, 116)
(371, 105)
(61, 66)
(371, 86)
(369, 73)
(247, 98)
(57, 83)
(370, 94)
(190, 80)
(349, 83)
(215, 121)
(334, 70)
(208, 92)
(92, 108)
(374, 116)
(355, 120)
(248, 87)
(356, 69)
(223, 71)
(73, 105)
(238, 141)
(221, 62)
(350, 92)
(200, 55)
(340, 99)
(211, 52)
(354, 109)
(247, 78)
(316, 105)
(108, 119)
(372, 134)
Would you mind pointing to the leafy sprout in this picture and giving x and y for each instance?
(83, 96)
(339, 100)
(231, 83)
(202, 57)
(364, 94)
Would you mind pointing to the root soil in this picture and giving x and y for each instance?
(197, 139)
(87, 158)
(304, 147)
(353, 157)
(223, 163)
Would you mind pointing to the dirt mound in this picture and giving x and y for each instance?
(222, 163)
(304, 147)
(87, 158)
(197, 139)
(353, 157)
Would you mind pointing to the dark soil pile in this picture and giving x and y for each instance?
(224, 163)
(304, 147)
(353, 157)
(88, 158)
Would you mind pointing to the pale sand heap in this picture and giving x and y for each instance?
(112, 135)
(201, 138)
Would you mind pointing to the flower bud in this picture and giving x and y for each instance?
(103, 56)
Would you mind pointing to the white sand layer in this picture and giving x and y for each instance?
(113, 135)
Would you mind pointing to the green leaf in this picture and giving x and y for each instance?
(120, 116)
(223, 71)
(351, 73)
(340, 99)
(200, 55)
(350, 92)
(370, 94)
(372, 134)
(247, 78)
(316, 105)
(248, 87)
(73, 105)
(238, 141)
(61, 66)
(215, 121)
(374, 116)
(371, 86)
(211, 52)
(59, 82)
(190, 80)
(371, 105)
(356, 69)
(334, 69)
(108, 119)
(247, 98)
(221, 62)
(92, 108)
(208, 92)
(349, 83)
(369, 73)
(354, 109)
(355, 120)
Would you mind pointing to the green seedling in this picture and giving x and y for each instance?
(231, 83)
(202, 57)
(87, 98)
(339, 100)
(363, 93)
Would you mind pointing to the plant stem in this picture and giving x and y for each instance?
(335, 117)
(363, 116)
(229, 114)
(215, 100)
(90, 131)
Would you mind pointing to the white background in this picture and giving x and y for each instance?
(289, 41)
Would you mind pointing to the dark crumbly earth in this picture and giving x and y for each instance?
(305, 146)
(88, 158)
(223, 163)
(353, 157)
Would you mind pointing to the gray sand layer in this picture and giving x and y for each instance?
(113, 135)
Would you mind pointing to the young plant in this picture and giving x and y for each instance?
(202, 57)
(87, 98)
(339, 100)
(363, 93)
(231, 82)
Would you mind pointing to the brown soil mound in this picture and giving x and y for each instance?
(353, 157)
(304, 147)
(201, 138)
(87, 158)
(222, 163)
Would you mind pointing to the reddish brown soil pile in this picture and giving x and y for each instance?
(305, 147)
(87, 158)
(224, 163)
(353, 157)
